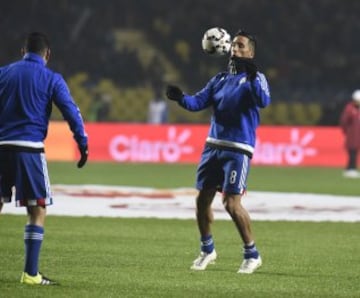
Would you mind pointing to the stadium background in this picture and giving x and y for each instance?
(120, 53)
(117, 55)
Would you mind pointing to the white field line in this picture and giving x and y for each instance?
(112, 201)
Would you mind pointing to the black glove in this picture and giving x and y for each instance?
(251, 69)
(84, 152)
(174, 93)
(244, 64)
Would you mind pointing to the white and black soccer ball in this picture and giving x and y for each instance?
(216, 41)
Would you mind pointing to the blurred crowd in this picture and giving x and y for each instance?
(307, 49)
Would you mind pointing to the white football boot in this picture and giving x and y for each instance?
(248, 266)
(351, 174)
(204, 259)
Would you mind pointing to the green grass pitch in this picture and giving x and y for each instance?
(118, 257)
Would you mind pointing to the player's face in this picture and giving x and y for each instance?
(240, 47)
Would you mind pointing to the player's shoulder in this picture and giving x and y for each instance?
(262, 78)
(222, 74)
(261, 74)
(55, 76)
(219, 76)
(10, 68)
(9, 65)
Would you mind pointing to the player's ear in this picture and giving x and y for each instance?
(47, 55)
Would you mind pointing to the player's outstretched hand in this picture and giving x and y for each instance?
(84, 152)
(174, 93)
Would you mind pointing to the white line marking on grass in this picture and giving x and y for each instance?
(113, 201)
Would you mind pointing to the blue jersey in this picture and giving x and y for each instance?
(235, 102)
(27, 91)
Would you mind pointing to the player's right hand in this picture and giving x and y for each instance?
(84, 153)
(245, 64)
(174, 93)
(251, 69)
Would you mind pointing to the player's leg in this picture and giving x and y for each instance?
(351, 167)
(241, 218)
(204, 217)
(33, 238)
(239, 215)
(352, 159)
(204, 214)
(207, 179)
(236, 170)
(36, 215)
(33, 191)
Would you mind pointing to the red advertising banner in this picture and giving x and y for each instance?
(276, 145)
(299, 146)
(146, 143)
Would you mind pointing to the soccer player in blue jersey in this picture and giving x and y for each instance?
(27, 91)
(235, 97)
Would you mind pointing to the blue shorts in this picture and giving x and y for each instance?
(27, 172)
(225, 170)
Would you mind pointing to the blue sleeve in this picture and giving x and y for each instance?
(70, 111)
(260, 91)
(202, 99)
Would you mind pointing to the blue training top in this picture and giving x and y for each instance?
(235, 102)
(27, 90)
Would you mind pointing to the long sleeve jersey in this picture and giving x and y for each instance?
(235, 102)
(27, 90)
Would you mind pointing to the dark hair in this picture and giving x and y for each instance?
(36, 42)
(252, 38)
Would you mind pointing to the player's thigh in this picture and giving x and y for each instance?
(205, 197)
(236, 169)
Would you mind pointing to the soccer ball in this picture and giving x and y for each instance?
(216, 41)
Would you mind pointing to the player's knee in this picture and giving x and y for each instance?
(229, 207)
(36, 215)
(205, 215)
(204, 200)
(230, 204)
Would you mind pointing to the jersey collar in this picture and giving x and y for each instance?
(34, 57)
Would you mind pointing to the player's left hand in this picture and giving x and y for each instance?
(84, 152)
(174, 93)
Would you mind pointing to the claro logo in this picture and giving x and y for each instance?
(292, 153)
(134, 148)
